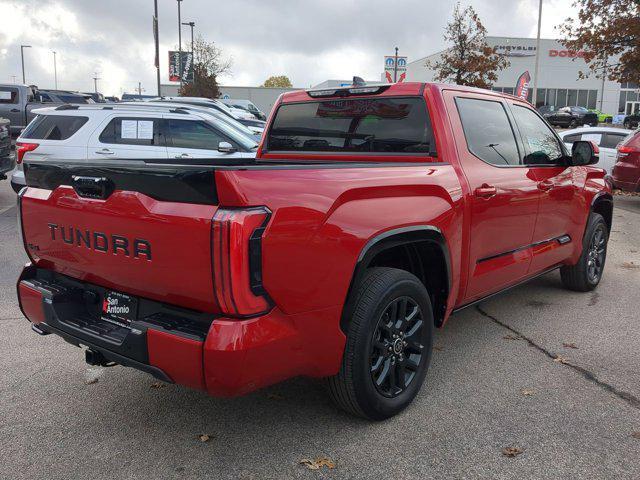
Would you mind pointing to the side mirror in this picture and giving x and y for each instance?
(584, 153)
(226, 147)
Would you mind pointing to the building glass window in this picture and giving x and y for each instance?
(541, 97)
(508, 90)
(572, 98)
(582, 98)
(622, 102)
(530, 95)
(561, 99)
(551, 96)
(592, 99)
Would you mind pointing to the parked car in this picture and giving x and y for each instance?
(245, 105)
(18, 101)
(257, 126)
(136, 96)
(96, 97)
(546, 110)
(626, 172)
(63, 96)
(7, 162)
(368, 217)
(127, 131)
(631, 121)
(572, 117)
(607, 139)
(602, 117)
(112, 99)
(217, 114)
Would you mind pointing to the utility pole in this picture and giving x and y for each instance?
(95, 81)
(395, 67)
(179, 43)
(604, 77)
(535, 72)
(191, 24)
(156, 35)
(55, 70)
(140, 89)
(22, 47)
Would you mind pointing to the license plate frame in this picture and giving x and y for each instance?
(119, 308)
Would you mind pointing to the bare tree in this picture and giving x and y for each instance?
(208, 65)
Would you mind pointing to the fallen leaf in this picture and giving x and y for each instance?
(91, 380)
(527, 392)
(569, 345)
(512, 451)
(318, 463)
(204, 437)
(510, 337)
(439, 349)
(633, 251)
(630, 265)
(158, 385)
(561, 359)
(274, 396)
(636, 435)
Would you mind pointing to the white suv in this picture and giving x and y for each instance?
(84, 132)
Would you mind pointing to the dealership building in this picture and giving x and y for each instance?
(559, 83)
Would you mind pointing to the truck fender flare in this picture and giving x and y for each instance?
(393, 238)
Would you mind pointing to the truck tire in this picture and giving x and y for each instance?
(388, 348)
(585, 275)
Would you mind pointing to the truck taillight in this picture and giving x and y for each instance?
(237, 261)
(22, 148)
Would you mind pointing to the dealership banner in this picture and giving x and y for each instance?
(174, 67)
(522, 85)
(390, 68)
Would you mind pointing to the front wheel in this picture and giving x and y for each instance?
(388, 347)
(585, 275)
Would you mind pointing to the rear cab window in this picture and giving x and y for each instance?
(387, 125)
(53, 127)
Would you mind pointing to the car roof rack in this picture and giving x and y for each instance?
(67, 106)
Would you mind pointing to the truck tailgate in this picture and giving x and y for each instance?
(138, 240)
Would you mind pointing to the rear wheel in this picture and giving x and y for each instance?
(587, 273)
(388, 347)
(573, 123)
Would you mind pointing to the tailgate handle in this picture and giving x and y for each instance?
(92, 187)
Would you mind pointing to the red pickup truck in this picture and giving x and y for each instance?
(369, 216)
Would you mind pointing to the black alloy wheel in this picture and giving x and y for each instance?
(596, 254)
(396, 348)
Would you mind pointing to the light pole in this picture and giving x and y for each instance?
(191, 24)
(156, 35)
(55, 70)
(395, 68)
(22, 47)
(535, 72)
(95, 81)
(179, 43)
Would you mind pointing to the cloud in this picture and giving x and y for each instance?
(308, 40)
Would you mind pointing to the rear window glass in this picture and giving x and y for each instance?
(133, 131)
(381, 125)
(8, 95)
(488, 131)
(53, 127)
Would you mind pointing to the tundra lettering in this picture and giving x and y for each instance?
(101, 243)
(370, 215)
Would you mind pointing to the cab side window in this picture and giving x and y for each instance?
(133, 131)
(488, 131)
(543, 148)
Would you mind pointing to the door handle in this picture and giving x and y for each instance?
(485, 191)
(105, 151)
(545, 185)
(183, 155)
(14, 110)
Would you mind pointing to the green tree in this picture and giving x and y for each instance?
(469, 60)
(208, 65)
(279, 81)
(608, 31)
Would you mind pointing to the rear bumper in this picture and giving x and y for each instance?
(225, 357)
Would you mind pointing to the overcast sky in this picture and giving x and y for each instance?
(308, 40)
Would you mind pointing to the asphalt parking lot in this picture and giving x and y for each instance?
(495, 382)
